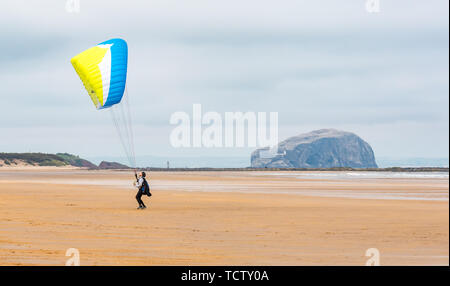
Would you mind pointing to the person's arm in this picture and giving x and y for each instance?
(139, 183)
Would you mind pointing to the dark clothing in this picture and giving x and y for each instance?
(145, 188)
(138, 198)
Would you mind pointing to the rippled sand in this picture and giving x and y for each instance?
(224, 218)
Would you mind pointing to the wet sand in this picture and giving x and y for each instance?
(223, 218)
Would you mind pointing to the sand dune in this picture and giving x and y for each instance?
(222, 218)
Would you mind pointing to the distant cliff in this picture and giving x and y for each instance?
(325, 148)
(56, 160)
(76, 161)
(43, 159)
(112, 165)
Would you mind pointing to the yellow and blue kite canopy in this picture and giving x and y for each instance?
(103, 71)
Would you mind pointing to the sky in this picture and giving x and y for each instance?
(319, 64)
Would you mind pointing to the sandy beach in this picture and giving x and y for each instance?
(223, 218)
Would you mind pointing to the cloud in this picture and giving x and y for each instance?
(327, 64)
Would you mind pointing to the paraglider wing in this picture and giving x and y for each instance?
(103, 71)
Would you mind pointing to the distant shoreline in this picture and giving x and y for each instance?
(64, 160)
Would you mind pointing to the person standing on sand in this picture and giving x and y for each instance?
(143, 189)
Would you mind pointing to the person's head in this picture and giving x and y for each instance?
(143, 174)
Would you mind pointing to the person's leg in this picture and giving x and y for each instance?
(138, 199)
(143, 205)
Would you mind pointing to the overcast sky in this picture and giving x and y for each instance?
(319, 64)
